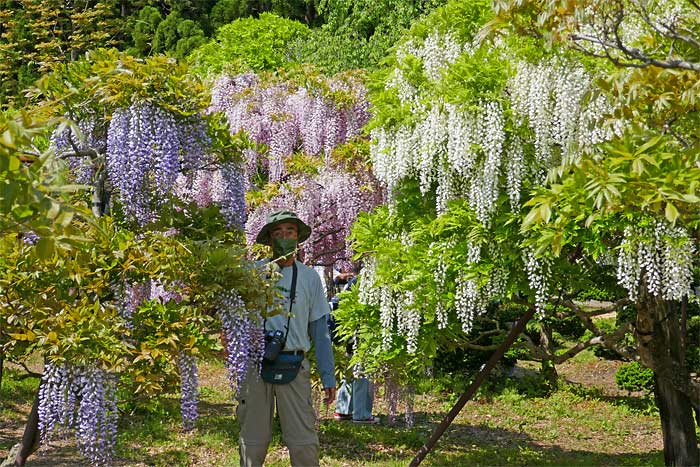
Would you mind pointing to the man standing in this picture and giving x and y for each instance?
(305, 320)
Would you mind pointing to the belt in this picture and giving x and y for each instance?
(292, 352)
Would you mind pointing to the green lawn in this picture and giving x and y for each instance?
(578, 425)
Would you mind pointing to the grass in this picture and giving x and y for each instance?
(514, 425)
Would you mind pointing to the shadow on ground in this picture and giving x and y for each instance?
(461, 445)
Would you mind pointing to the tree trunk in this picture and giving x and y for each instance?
(677, 425)
(548, 369)
(658, 334)
(30, 438)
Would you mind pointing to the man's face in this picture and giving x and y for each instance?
(287, 230)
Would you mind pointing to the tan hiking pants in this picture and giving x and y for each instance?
(256, 403)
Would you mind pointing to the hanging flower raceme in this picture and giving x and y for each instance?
(243, 338)
(83, 399)
(189, 389)
(538, 276)
(287, 118)
(147, 147)
(661, 255)
(475, 145)
(223, 184)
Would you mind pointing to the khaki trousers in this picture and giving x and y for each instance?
(256, 404)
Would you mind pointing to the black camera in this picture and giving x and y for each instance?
(274, 343)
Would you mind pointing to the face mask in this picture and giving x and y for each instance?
(282, 247)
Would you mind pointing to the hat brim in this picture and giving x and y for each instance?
(303, 231)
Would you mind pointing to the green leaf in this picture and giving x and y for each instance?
(590, 219)
(671, 212)
(638, 167)
(532, 217)
(44, 247)
(53, 211)
(14, 163)
(648, 145)
(7, 140)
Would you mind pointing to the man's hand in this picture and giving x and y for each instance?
(330, 395)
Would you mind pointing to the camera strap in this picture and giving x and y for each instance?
(292, 296)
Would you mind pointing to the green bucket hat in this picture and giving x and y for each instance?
(279, 217)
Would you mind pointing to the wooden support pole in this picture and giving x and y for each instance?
(469, 393)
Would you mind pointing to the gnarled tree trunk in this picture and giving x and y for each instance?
(658, 334)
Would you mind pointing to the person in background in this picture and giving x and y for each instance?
(356, 397)
(305, 322)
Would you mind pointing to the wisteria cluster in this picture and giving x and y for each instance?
(408, 319)
(368, 292)
(287, 118)
(147, 147)
(80, 148)
(243, 338)
(128, 299)
(189, 389)
(398, 310)
(472, 297)
(165, 292)
(439, 251)
(30, 237)
(550, 98)
(151, 152)
(223, 184)
(436, 52)
(515, 170)
(660, 256)
(458, 152)
(538, 276)
(463, 152)
(83, 399)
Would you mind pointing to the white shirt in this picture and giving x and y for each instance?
(309, 305)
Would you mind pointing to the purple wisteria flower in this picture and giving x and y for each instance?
(189, 385)
(243, 338)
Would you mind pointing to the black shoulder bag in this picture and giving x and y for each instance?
(279, 367)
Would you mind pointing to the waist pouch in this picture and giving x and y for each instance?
(282, 370)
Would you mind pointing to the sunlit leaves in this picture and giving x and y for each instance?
(641, 175)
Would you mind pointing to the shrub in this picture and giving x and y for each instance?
(248, 44)
(634, 377)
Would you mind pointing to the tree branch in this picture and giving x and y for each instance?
(607, 340)
(30, 373)
(631, 53)
(79, 153)
(670, 32)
